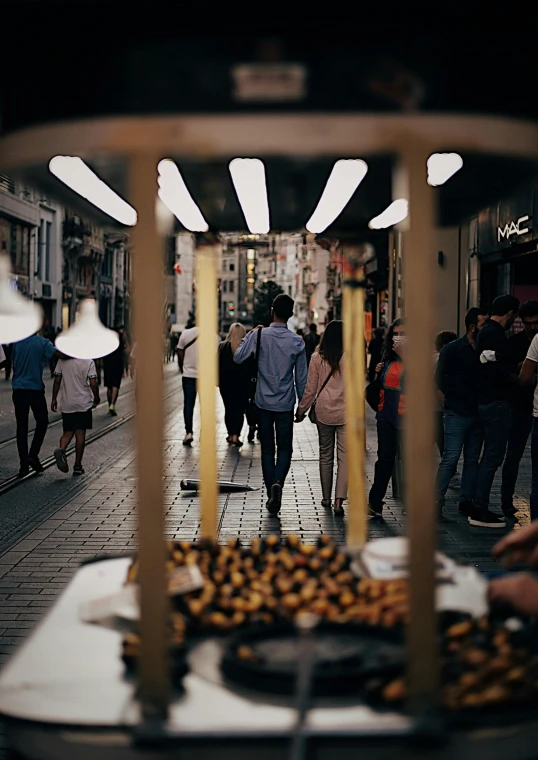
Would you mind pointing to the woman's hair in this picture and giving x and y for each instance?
(331, 346)
(389, 354)
(236, 333)
(444, 338)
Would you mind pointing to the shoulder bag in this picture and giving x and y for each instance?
(254, 378)
(312, 413)
(373, 392)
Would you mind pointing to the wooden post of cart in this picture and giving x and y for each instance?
(148, 297)
(207, 320)
(419, 263)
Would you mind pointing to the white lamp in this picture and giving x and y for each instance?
(88, 338)
(19, 317)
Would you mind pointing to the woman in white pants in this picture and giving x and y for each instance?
(325, 391)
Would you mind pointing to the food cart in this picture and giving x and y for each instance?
(65, 692)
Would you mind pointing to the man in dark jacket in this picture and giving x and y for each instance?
(498, 377)
(311, 340)
(522, 401)
(457, 378)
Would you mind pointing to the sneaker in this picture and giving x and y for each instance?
(112, 410)
(61, 460)
(455, 483)
(23, 472)
(485, 519)
(188, 439)
(375, 513)
(36, 465)
(466, 507)
(509, 510)
(78, 469)
(275, 499)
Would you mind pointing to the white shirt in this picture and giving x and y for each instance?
(190, 360)
(533, 356)
(75, 392)
(2, 354)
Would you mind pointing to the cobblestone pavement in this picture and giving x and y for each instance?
(101, 518)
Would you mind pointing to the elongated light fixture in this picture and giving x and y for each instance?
(442, 166)
(248, 177)
(88, 338)
(393, 214)
(175, 195)
(19, 317)
(345, 177)
(77, 175)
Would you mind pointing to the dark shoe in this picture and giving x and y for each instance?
(466, 508)
(338, 509)
(187, 441)
(61, 460)
(36, 465)
(251, 434)
(275, 499)
(23, 472)
(483, 518)
(326, 503)
(78, 469)
(374, 512)
(238, 443)
(509, 510)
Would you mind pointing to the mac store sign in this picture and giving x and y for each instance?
(507, 224)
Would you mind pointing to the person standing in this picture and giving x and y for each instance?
(325, 390)
(375, 350)
(442, 339)
(496, 385)
(187, 357)
(311, 340)
(390, 411)
(234, 383)
(457, 379)
(282, 374)
(528, 377)
(29, 358)
(522, 406)
(77, 379)
(113, 367)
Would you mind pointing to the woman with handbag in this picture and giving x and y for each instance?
(234, 384)
(324, 396)
(390, 408)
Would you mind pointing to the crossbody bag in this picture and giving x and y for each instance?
(312, 416)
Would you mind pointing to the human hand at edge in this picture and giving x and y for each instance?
(519, 591)
(519, 547)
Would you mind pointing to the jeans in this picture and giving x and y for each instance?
(496, 419)
(388, 444)
(328, 436)
(440, 431)
(461, 434)
(519, 435)
(534, 479)
(23, 401)
(280, 423)
(189, 400)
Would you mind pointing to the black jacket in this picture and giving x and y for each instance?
(457, 377)
(496, 378)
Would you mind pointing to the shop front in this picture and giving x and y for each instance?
(507, 247)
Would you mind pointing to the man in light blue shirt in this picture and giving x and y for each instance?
(29, 359)
(282, 372)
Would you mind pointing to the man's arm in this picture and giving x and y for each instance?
(502, 371)
(527, 376)
(180, 358)
(246, 349)
(95, 391)
(301, 374)
(55, 391)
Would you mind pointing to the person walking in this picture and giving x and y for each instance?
(29, 358)
(234, 383)
(375, 351)
(77, 380)
(311, 340)
(282, 374)
(522, 406)
(390, 411)
(113, 367)
(497, 377)
(528, 377)
(187, 357)
(457, 379)
(325, 392)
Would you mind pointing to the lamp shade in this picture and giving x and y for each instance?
(19, 317)
(88, 338)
